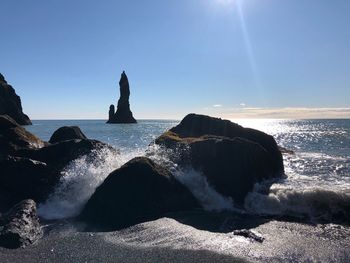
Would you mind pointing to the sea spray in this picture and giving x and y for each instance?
(79, 180)
(209, 198)
(302, 196)
(318, 173)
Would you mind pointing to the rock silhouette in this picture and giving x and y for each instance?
(123, 113)
(66, 133)
(10, 103)
(231, 157)
(13, 137)
(139, 191)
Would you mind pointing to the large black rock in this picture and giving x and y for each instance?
(21, 226)
(67, 133)
(59, 154)
(138, 191)
(13, 137)
(231, 157)
(10, 103)
(123, 113)
(232, 166)
(24, 178)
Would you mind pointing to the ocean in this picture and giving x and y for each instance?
(303, 217)
(316, 186)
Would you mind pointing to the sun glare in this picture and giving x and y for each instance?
(225, 2)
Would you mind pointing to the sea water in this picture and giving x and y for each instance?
(317, 182)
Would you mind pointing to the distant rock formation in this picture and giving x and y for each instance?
(123, 113)
(10, 103)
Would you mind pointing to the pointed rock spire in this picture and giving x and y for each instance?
(123, 113)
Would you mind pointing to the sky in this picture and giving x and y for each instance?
(225, 58)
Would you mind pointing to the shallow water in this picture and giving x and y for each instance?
(317, 182)
(318, 174)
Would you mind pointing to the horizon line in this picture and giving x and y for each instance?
(286, 113)
(161, 119)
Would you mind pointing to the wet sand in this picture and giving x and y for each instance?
(167, 240)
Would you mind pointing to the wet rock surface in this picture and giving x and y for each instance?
(23, 178)
(138, 191)
(13, 137)
(231, 157)
(20, 226)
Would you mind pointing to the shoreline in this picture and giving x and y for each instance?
(168, 240)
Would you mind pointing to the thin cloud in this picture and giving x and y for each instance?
(282, 113)
(217, 105)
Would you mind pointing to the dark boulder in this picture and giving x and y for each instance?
(231, 157)
(123, 113)
(138, 191)
(24, 178)
(67, 133)
(60, 154)
(194, 126)
(10, 103)
(232, 166)
(21, 226)
(6, 122)
(13, 137)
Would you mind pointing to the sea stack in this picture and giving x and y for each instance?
(123, 113)
(10, 103)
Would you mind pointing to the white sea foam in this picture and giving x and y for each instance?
(319, 196)
(319, 156)
(78, 182)
(83, 175)
(302, 196)
(209, 198)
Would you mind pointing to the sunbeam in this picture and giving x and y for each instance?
(249, 49)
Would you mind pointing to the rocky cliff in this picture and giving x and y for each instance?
(10, 103)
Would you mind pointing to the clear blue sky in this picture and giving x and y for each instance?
(230, 58)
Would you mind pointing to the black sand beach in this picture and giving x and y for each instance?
(166, 240)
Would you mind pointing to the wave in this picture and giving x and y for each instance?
(82, 176)
(79, 180)
(199, 186)
(316, 201)
(321, 156)
(317, 197)
(209, 198)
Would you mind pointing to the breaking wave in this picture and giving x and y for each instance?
(317, 184)
(79, 180)
(82, 176)
(319, 198)
(209, 198)
(298, 196)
